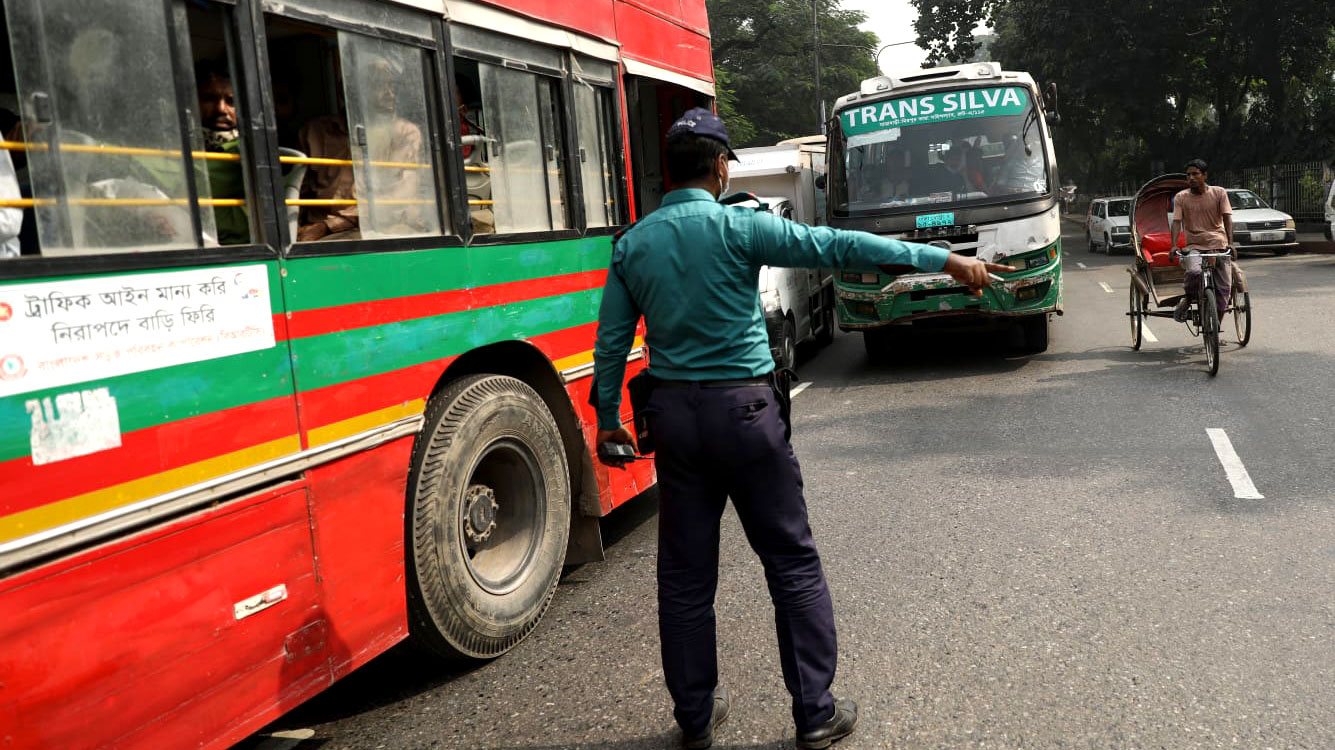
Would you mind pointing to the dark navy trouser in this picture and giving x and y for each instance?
(712, 444)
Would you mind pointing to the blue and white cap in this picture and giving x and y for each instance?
(702, 122)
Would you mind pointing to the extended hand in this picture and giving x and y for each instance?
(972, 272)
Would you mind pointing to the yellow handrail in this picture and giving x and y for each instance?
(35, 202)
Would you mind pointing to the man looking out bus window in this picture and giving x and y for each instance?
(719, 419)
(217, 115)
(1203, 212)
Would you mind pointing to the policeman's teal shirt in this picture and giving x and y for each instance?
(692, 269)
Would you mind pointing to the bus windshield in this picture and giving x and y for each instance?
(954, 147)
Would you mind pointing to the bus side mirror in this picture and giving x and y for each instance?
(1050, 104)
(820, 182)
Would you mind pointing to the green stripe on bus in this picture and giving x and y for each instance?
(147, 399)
(337, 357)
(314, 283)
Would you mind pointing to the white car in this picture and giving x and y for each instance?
(1108, 225)
(1257, 226)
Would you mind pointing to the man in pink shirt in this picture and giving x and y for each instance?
(1203, 212)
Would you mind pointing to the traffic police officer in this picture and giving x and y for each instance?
(691, 268)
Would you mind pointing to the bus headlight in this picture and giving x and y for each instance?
(769, 301)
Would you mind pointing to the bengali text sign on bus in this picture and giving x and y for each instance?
(936, 107)
(56, 333)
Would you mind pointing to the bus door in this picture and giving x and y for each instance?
(654, 104)
(146, 390)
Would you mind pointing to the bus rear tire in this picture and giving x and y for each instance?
(1035, 331)
(488, 518)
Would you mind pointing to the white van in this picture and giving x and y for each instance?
(798, 302)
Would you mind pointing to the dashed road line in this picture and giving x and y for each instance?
(1148, 334)
(799, 388)
(1105, 286)
(1243, 488)
(1082, 265)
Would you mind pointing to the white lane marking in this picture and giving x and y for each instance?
(1148, 334)
(1105, 286)
(800, 387)
(1233, 468)
(1082, 265)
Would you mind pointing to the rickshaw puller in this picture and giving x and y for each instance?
(1203, 212)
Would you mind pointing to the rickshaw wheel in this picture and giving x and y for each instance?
(1210, 330)
(1137, 315)
(1242, 316)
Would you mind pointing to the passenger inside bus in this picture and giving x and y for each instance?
(11, 217)
(218, 119)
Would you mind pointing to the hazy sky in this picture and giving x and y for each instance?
(891, 21)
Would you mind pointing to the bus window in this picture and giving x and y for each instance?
(515, 168)
(111, 146)
(363, 166)
(387, 108)
(595, 118)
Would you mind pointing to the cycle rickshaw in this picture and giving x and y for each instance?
(1156, 276)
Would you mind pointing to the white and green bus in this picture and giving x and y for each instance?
(959, 157)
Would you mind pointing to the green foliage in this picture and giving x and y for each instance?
(1142, 84)
(765, 49)
(740, 128)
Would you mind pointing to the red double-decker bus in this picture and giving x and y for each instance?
(297, 305)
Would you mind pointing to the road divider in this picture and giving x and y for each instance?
(1243, 489)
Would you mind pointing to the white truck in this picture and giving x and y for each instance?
(798, 302)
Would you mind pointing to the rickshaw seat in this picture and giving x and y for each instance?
(1156, 246)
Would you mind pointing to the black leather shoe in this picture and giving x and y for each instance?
(722, 706)
(842, 724)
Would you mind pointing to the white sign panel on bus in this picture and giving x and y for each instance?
(57, 333)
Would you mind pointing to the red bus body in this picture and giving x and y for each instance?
(135, 641)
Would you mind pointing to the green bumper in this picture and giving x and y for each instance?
(904, 299)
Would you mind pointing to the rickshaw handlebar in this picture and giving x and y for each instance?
(1180, 253)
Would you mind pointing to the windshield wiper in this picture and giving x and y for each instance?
(1030, 120)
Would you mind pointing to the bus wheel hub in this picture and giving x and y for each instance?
(479, 512)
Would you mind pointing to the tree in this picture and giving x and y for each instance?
(1241, 83)
(766, 51)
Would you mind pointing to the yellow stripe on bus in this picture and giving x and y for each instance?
(585, 357)
(363, 422)
(89, 504)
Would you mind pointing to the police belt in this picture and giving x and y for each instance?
(763, 381)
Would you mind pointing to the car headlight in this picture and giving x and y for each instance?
(1239, 225)
(1290, 224)
(769, 301)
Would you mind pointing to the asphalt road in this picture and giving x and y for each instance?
(1024, 551)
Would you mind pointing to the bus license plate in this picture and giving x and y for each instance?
(936, 220)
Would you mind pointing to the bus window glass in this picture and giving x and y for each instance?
(955, 147)
(100, 114)
(594, 118)
(386, 94)
(519, 157)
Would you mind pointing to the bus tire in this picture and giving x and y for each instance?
(1035, 330)
(488, 518)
